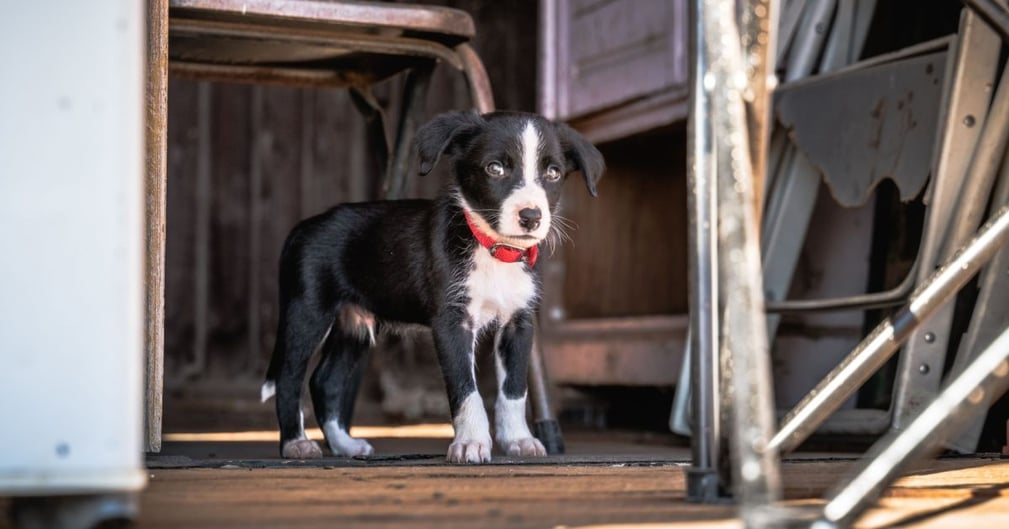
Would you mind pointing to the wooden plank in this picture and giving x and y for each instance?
(336, 162)
(183, 145)
(200, 301)
(156, 148)
(228, 223)
(275, 204)
(628, 255)
(945, 493)
(612, 41)
(616, 359)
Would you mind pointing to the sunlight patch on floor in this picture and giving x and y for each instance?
(412, 431)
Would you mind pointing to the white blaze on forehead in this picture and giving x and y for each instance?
(530, 193)
(530, 153)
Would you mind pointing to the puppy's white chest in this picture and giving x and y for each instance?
(497, 289)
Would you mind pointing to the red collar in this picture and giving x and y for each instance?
(501, 251)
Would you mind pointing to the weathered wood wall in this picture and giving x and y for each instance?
(245, 163)
(628, 256)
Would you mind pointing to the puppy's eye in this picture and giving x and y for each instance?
(495, 169)
(553, 173)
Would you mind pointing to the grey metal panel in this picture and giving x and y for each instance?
(884, 340)
(880, 123)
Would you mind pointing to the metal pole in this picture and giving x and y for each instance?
(971, 391)
(876, 348)
(809, 40)
(702, 477)
(758, 39)
(756, 476)
(545, 425)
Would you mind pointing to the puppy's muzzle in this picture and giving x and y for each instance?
(529, 218)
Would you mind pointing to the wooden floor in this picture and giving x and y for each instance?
(601, 483)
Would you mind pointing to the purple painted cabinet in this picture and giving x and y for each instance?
(614, 68)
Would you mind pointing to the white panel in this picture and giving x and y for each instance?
(71, 247)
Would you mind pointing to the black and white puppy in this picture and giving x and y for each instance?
(463, 264)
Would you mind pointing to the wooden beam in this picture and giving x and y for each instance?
(156, 139)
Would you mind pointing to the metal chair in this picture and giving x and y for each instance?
(721, 166)
(320, 43)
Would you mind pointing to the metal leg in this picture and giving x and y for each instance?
(809, 39)
(476, 76)
(919, 370)
(545, 425)
(788, 213)
(985, 379)
(702, 353)
(374, 119)
(991, 311)
(876, 348)
(794, 193)
(413, 110)
(756, 475)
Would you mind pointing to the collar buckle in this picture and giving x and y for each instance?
(521, 253)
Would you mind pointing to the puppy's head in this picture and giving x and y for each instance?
(509, 168)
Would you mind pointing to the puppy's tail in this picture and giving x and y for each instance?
(269, 388)
(267, 391)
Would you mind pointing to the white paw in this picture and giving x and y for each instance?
(469, 451)
(352, 447)
(342, 444)
(302, 449)
(529, 446)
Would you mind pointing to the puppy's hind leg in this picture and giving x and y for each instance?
(335, 382)
(301, 329)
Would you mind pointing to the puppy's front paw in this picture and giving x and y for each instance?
(529, 446)
(301, 449)
(469, 451)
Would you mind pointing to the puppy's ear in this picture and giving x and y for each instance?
(438, 135)
(581, 156)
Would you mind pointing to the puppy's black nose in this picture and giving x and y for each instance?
(529, 218)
